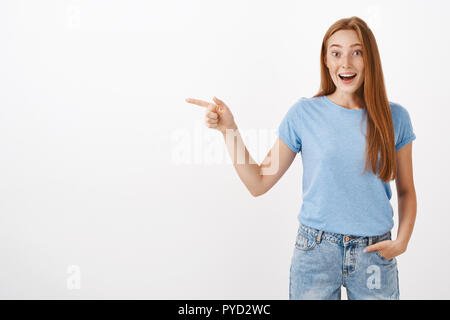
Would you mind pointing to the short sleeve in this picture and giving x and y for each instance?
(404, 131)
(289, 129)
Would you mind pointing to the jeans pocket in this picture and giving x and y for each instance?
(385, 259)
(305, 241)
(387, 237)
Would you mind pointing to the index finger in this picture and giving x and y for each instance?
(198, 102)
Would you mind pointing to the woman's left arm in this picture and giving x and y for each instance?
(406, 195)
(407, 207)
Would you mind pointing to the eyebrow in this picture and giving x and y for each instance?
(337, 45)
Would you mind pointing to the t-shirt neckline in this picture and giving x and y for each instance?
(340, 107)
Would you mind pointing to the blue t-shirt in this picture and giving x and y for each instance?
(337, 197)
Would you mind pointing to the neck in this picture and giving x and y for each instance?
(346, 100)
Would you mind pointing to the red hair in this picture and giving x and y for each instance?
(380, 139)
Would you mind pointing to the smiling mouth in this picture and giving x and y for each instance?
(347, 78)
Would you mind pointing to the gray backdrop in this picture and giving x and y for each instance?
(111, 186)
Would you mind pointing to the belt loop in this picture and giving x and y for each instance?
(370, 241)
(319, 236)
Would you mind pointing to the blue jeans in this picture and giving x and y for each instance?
(323, 262)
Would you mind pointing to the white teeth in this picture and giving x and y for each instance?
(347, 75)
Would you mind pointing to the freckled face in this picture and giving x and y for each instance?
(344, 57)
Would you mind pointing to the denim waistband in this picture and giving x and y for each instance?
(342, 238)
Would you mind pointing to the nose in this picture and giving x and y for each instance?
(346, 62)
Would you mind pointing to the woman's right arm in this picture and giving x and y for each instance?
(257, 178)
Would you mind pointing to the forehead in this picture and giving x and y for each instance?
(344, 38)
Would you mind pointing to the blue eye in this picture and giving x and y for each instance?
(360, 52)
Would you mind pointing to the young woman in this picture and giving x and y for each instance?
(353, 141)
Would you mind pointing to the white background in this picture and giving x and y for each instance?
(108, 183)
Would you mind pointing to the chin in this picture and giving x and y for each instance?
(348, 90)
(352, 89)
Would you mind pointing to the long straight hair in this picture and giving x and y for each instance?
(380, 139)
